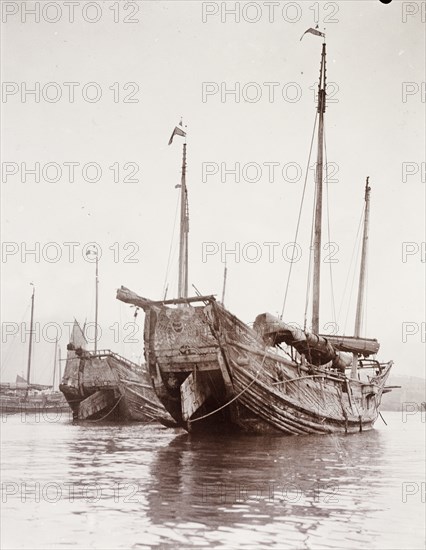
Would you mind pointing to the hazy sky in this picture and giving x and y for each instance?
(376, 67)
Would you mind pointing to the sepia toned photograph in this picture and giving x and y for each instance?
(213, 274)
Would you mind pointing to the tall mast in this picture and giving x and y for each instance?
(96, 303)
(59, 366)
(54, 365)
(318, 194)
(361, 284)
(184, 229)
(30, 346)
(94, 252)
(225, 271)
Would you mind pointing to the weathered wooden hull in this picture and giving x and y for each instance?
(211, 371)
(109, 387)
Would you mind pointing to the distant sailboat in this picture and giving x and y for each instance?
(24, 396)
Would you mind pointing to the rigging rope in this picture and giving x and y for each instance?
(311, 250)
(299, 217)
(350, 266)
(170, 248)
(358, 246)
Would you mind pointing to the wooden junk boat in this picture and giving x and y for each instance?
(104, 385)
(212, 371)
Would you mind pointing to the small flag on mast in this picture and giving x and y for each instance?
(313, 31)
(178, 131)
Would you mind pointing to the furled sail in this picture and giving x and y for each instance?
(317, 349)
(352, 344)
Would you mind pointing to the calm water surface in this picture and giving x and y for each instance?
(135, 486)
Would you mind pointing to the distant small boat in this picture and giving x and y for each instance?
(19, 401)
(24, 397)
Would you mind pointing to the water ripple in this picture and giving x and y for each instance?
(135, 486)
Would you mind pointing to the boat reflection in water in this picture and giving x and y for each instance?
(144, 486)
(287, 494)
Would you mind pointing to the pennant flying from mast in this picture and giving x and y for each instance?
(178, 131)
(313, 31)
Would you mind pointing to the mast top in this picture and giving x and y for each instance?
(367, 188)
(322, 83)
(315, 31)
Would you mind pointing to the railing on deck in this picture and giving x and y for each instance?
(109, 353)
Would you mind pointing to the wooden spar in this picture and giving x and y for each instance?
(129, 297)
(318, 195)
(183, 243)
(361, 285)
(225, 271)
(199, 298)
(59, 366)
(54, 365)
(366, 346)
(31, 337)
(96, 303)
(94, 252)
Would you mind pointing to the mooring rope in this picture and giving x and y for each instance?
(108, 413)
(381, 416)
